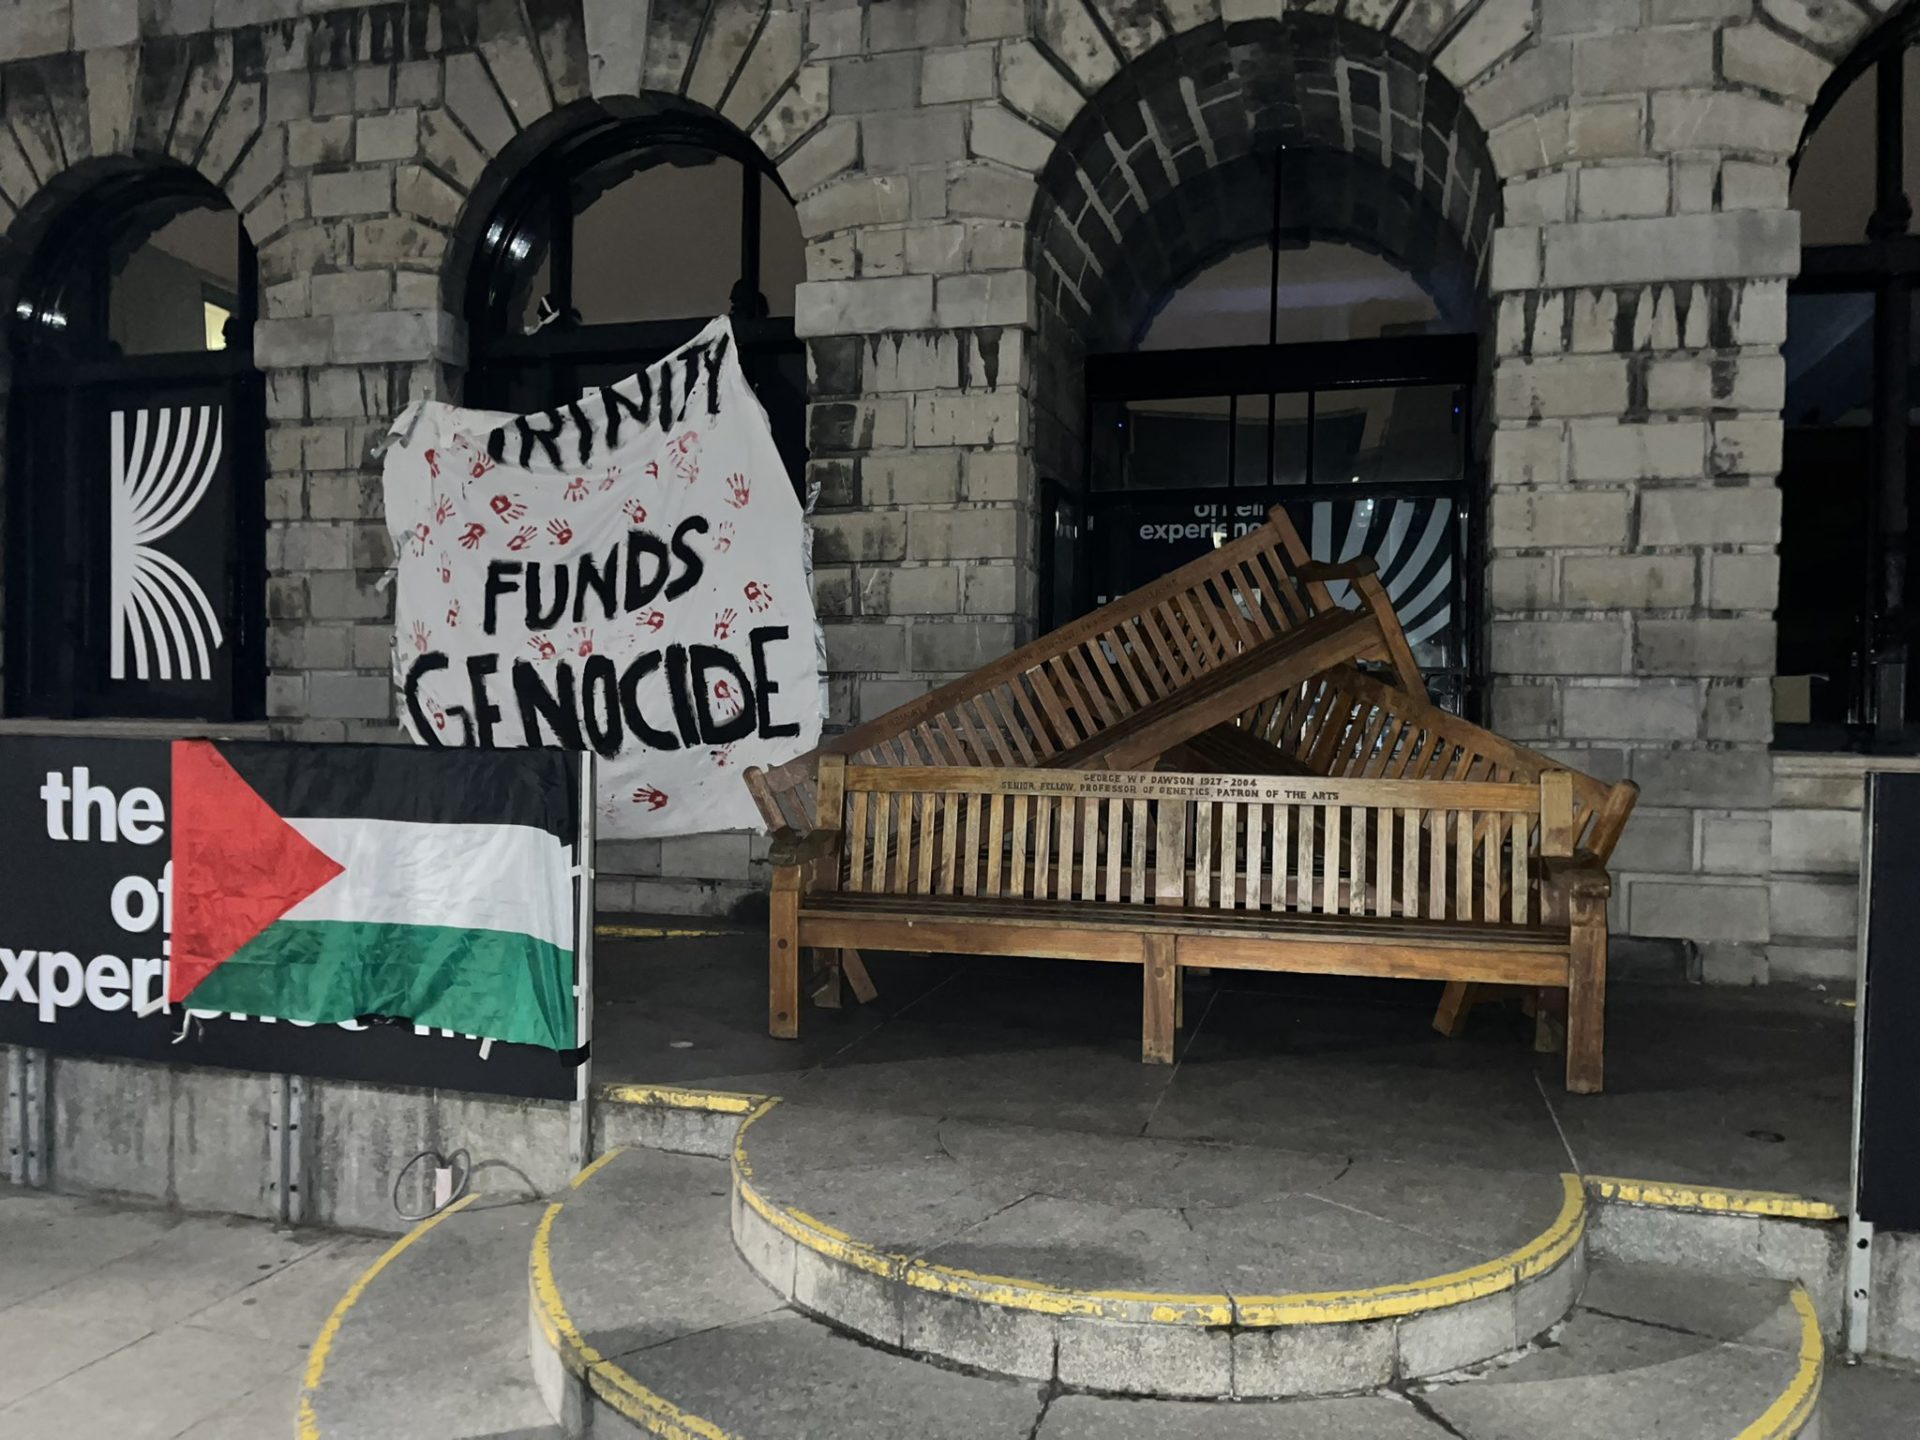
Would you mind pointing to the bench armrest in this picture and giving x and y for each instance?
(1311, 571)
(1581, 874)
(802, 847)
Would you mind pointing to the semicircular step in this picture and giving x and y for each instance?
(644, 1318)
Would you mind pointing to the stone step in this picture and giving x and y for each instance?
(1164, 1268)
(431, 1341)
(645, 1318)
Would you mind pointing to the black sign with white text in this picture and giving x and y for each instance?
(85, 913)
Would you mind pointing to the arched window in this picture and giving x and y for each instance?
(135, 459)
(1846, 663)
(617, 244)
(1313, 368)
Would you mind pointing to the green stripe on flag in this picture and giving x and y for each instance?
(492, 983)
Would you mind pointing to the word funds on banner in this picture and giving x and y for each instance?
(626, 574)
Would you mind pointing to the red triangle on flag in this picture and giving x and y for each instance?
(237, 866)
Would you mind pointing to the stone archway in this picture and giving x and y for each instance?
(1170, 163)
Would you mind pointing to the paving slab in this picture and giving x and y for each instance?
(1869, 1402)
(1710, 1085)
(1378, 1417)
(436, 1345)
(1092, 1210)
(1604, 1375)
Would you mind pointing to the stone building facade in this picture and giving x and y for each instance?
(990, 188)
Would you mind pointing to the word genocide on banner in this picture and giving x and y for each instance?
(626, 574)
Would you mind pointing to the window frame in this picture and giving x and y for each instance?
(59, 340)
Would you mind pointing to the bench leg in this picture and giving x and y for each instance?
(855, 969)
(1456, 1003)
(783, 965)
(1161, 981)
(1587, 997)
(826, 979)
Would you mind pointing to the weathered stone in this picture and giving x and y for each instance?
(1636, 712)
(1560, 647)
(773, 61)
(1670, 450)
(1627, 582)
(882, 82)
(1031, 85)
(1699, 909)
(949, 75)
(1743, 515)
(1634, 61)
(1593, 518)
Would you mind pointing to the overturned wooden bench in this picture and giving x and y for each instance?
(1465, 881)
(1120, 687)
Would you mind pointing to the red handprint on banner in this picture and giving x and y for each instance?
(437, 715)
(482, 463)
(581, 639)
(561, 531)
(739, 489)
(723, 623)
(422, 637)
(541, 646)
(417, 538)
(610, 479)
(730, 702)
(442, 509)
(651, 470)
(650, 619)
(522, 538)
(683, 454)
(651, 798)
(722, 756)
(453, 615)
(759, 597)
(635, 511)
(576, 488)
(433, 463)
(471, 536)
(446, 569)
(723, 537)
(507, 507)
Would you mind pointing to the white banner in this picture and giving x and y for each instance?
(627, 574)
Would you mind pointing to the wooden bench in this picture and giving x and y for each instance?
(1118, 688)
(1455, 880)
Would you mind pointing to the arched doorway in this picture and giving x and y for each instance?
(135, 524)
(602, 250)
(1259, 267)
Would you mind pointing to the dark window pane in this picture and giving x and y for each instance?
(657, 241)
(783, 250)
(177, 290)
(1388, 435)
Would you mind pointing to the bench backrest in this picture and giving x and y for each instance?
(1345, 723)
(1054, 694)
(1452, 850)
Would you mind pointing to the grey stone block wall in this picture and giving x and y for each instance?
(987, 188)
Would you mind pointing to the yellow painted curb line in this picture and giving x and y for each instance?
(309, 1423)
(656, 932)
(675, 1097)
(653, 1413)
(1380, 1302)
(1707, 1200)
(1793, 1407)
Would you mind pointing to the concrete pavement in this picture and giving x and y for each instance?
(133, 1323)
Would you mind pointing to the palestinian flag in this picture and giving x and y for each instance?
(343, 882)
